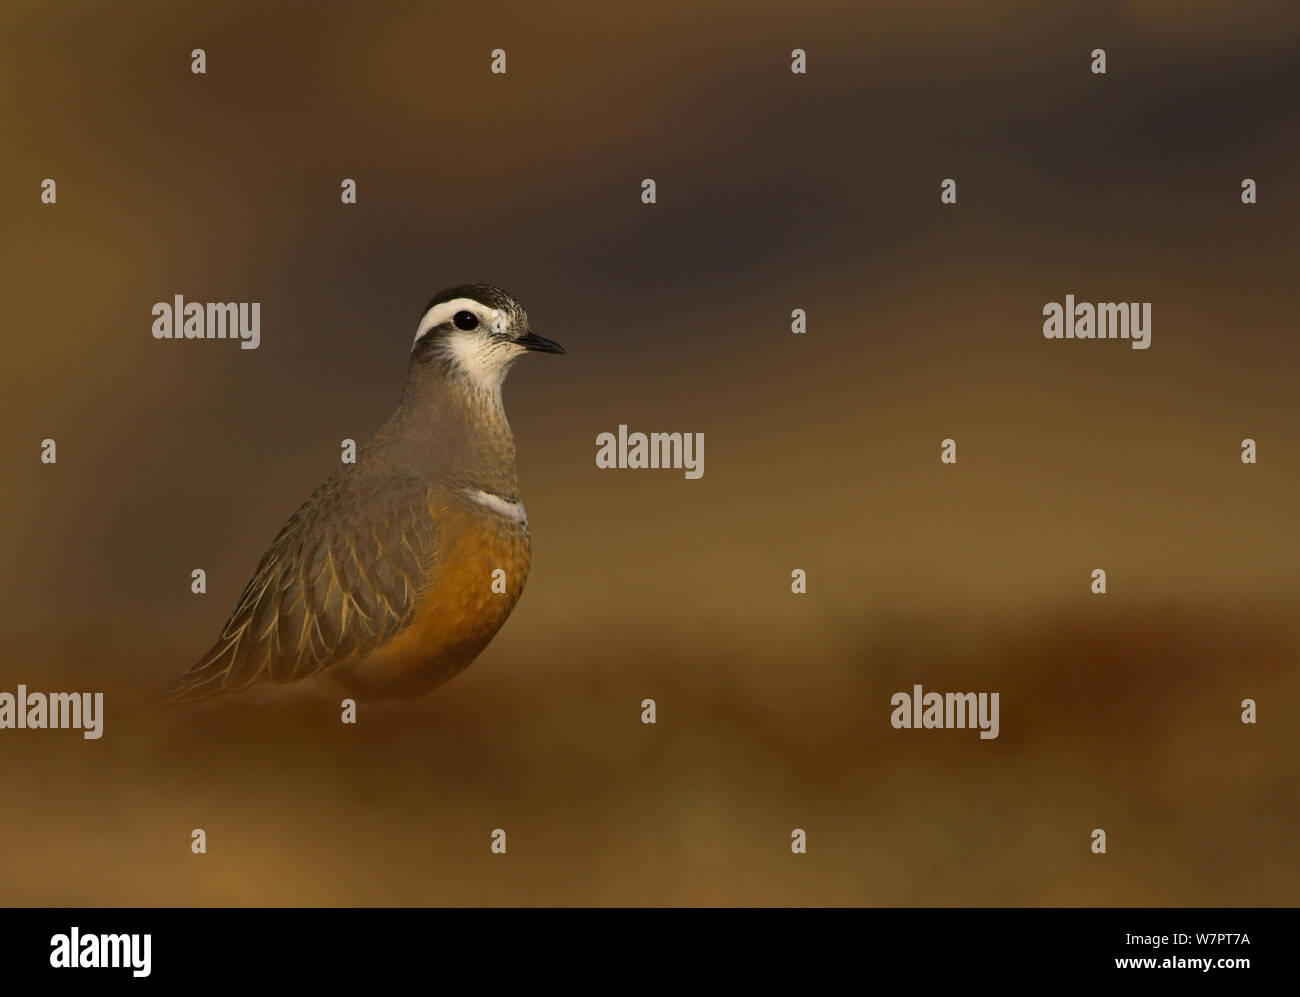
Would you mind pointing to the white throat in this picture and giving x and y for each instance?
(480, 363)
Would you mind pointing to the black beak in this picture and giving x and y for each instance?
(539, 344)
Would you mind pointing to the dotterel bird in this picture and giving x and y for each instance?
(401, 567)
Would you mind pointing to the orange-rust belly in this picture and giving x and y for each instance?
(481, 566)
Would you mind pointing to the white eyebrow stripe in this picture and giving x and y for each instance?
(513, 511)
(439, 314)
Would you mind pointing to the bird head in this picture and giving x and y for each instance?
(475, 333)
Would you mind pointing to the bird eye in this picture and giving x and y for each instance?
(465, 320)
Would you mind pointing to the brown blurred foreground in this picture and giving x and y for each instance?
(1127, 722)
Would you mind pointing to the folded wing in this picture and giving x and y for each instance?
(335, 585)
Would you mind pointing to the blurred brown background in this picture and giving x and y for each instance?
(775, 191)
